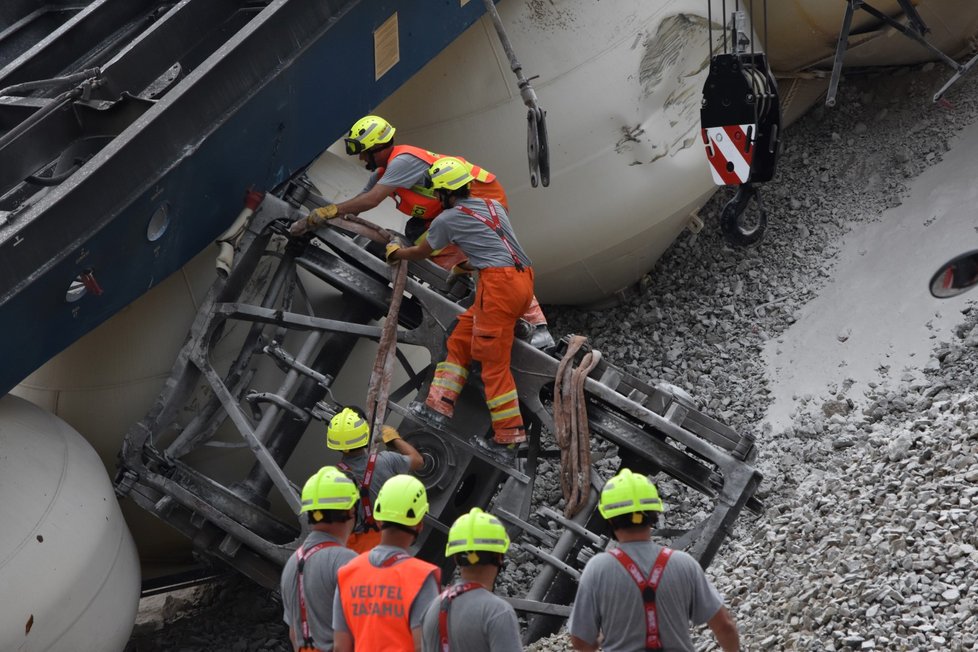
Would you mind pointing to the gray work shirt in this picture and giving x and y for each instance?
(378, 555)
(478, 621)
(402, 171)
(482, 245)
(319, 582)
(608, 600)
(387, 466)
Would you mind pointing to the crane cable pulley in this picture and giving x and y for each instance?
(740, 119)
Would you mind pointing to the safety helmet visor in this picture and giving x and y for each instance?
(354, 146)
(369, 132)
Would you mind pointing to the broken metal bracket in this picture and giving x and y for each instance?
(916, 31)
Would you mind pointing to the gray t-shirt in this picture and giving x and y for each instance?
(429, 591)
(478, 621)
(608, 600)
(387, 466)
(319, 583)
(482, 245)
(402, 171)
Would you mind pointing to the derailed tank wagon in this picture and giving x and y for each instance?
(234, 520)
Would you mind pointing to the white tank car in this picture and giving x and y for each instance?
(622, 89)
(623, 92)
(69, 572)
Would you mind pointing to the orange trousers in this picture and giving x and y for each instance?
(484, 333)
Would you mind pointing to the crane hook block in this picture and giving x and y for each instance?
(740, 119)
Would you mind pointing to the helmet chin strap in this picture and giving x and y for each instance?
(371, 162)
(444, 198)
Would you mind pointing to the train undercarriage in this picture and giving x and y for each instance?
(232, 517)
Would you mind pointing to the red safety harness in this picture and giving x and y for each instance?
(308, 644)
(368, 514)
(647, 587)
(447, 596)
(493, 223)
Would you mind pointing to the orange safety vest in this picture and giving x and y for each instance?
(377, 601)
(418, 201)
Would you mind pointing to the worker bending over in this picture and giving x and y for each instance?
(640, 595)
(484, 332)
(382, 595)
(349, 433)
(309, 577)
(468, 616)
(398, 171)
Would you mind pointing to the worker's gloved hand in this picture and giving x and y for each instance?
(323, 213)
(389, 253)
(389, 434)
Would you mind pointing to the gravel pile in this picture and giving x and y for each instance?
(869, 539)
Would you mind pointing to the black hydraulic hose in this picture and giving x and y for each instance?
(67, 80)
(55, 179)
(38, 115)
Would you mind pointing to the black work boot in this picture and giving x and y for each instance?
(420, 411)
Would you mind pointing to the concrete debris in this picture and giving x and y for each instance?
(870, 539)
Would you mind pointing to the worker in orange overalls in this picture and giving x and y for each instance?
(484, 332)
(382, 595)
(398, 171)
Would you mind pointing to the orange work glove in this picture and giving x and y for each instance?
(389, 434)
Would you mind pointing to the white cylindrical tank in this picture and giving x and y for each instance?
(69, 573)
(804, 33)
(622, 89)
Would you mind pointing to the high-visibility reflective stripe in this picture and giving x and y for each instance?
(652, 502)
(502, 398)
(451, 376)
(489, 542)
(452, 367)
(505, 414)
(326, 501)
(447, 384)
(349, 442)
(457, 177)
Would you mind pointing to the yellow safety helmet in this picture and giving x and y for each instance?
(368, 132)
(628, 493)
(329, 488)
(448, 173)
(347, 430)
(403, 500)
(475, 532)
